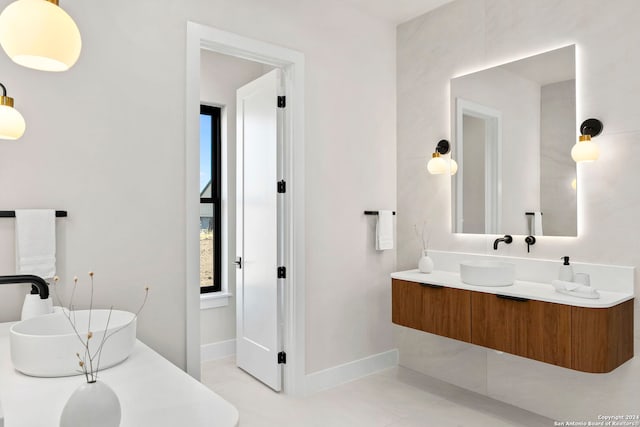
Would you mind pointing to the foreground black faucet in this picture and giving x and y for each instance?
(507, 239)
(38, 285)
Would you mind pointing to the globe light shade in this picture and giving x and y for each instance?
(437, 165)
(12, 123)
(585, 150)
(39, 34)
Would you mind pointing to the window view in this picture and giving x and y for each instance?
(209, 199)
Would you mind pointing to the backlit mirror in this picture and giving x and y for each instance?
(513, 127)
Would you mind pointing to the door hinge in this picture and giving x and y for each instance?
(282, 101)
(282, 357)
(282, 272)
(282, 186)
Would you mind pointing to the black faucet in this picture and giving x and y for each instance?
(507, 239)
(529, 240)
(38, 285)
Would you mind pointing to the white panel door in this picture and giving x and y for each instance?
(258, 310)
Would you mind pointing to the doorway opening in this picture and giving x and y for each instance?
(202, 41)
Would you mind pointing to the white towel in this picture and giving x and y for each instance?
(36, 242)
(537, 224)
(575, 289)
(564, 285)
(384, 230)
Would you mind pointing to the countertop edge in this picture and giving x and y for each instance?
(520, 288)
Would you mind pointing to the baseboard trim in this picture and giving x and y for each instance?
(217, 350)
(350, 371)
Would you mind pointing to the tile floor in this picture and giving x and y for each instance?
(396, 397)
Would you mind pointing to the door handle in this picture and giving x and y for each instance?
(238, 262)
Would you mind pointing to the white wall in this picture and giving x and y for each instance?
(105, 141)
(220, 76)
(467, 35)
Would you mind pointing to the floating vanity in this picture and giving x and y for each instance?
(528, 319)
(152, 391)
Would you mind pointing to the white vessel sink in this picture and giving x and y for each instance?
(46, 346)
(488, 273)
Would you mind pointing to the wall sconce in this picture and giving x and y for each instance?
(39, 34)
(12, 123)
(585, 150)
(439, 165)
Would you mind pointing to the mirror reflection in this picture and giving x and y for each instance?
(513, 129)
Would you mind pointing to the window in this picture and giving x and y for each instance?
(210, 189)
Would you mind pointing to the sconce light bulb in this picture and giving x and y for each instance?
(12, 124)
(437, 165)
(585, 150)
(574, 183)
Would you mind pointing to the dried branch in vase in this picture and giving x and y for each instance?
(421, 236)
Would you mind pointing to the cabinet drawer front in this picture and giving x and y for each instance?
(534, 329)
(406, 304)
(496, 324)
(447, 312)
(432, 308)
(602, 339)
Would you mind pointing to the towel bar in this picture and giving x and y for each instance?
(12, 214)
(374, 212)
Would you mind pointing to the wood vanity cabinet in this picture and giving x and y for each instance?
(432, 308)
(595, 340)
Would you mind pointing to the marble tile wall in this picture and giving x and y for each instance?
(468, 35)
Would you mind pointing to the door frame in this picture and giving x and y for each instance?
(492, 161)
(291, 63)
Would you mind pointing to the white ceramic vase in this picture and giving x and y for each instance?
(92, 404)
(425, 263)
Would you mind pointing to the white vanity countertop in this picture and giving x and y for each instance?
(520, 288)
(152, 392)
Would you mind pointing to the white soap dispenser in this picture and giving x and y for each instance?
(566, 270)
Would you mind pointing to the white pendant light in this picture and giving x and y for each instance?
(586, 150)
(39, 34)
(12, 125)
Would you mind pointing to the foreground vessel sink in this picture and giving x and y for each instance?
(46, 346)
(488, 273)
